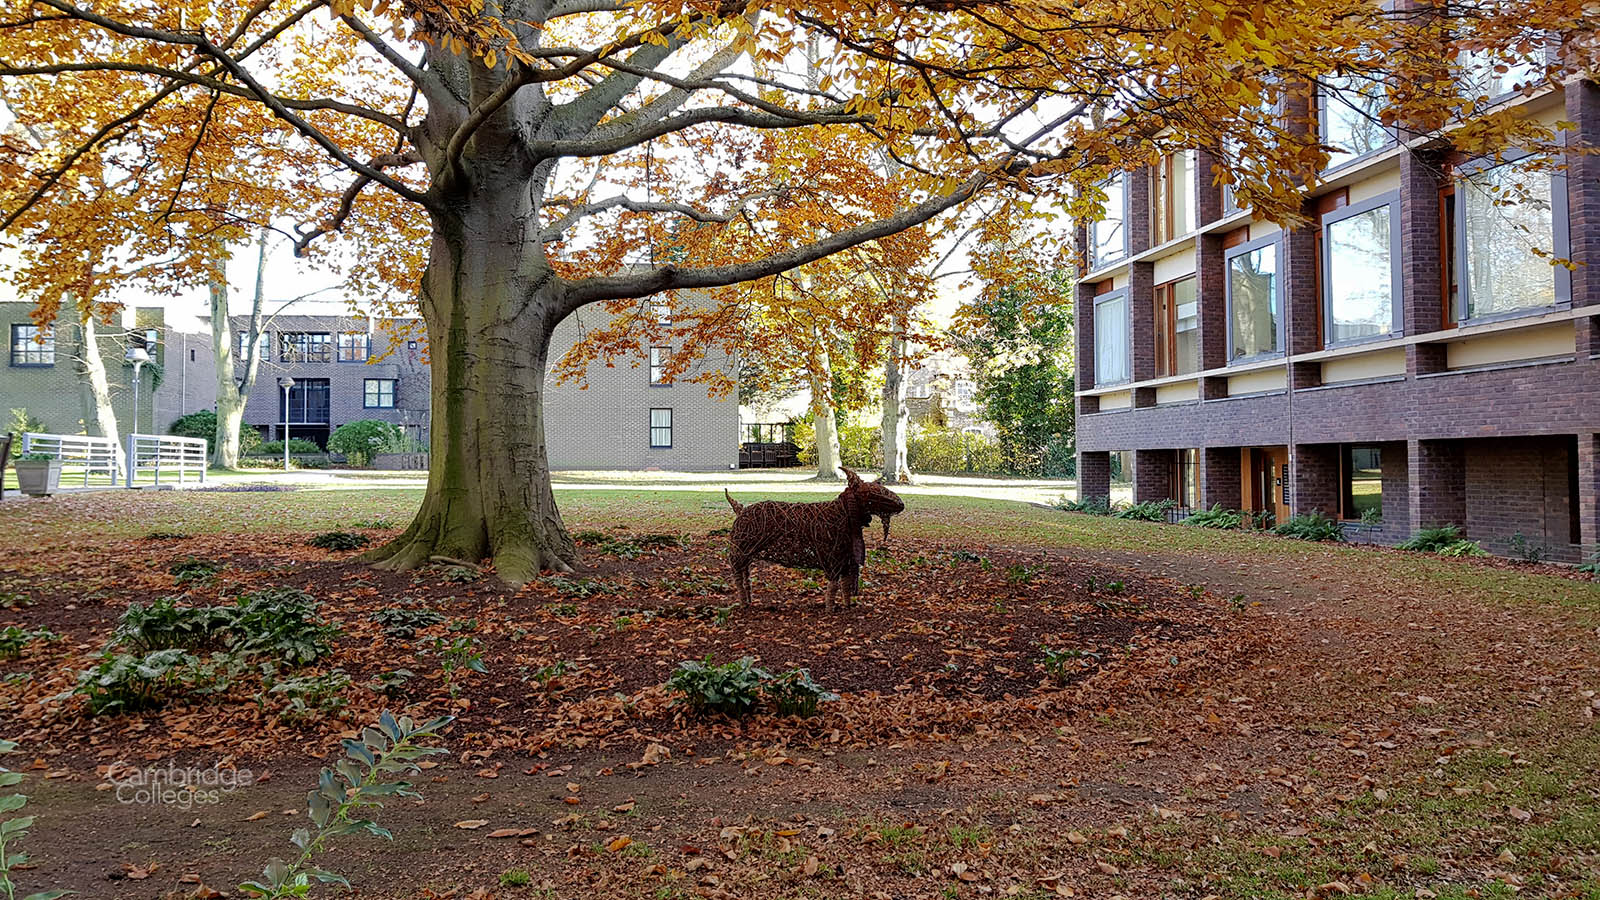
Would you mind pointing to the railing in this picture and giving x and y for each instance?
(155, 455)
(96, 460)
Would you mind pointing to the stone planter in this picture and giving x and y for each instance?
(38, 477)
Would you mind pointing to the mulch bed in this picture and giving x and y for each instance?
(942, 642)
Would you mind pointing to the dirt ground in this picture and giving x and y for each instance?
(1231, 723)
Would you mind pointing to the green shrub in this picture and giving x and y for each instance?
(14, 830)
(1092, 506)
(1526, 550)
(360, 439)
(1462, 548)
(794, 693)
(1146, 511)
(1311, 526)
(1061, 664)
(732, 688)
(128, 682)
(275, 448)
(392, 684)
(1215, 517)
(201, 425)
(21, 423)
(950, 451)
(14, 639)
(309, 695)
(579, 587)
(459, 655)
(165, 625)
(340, 540)
(1593, 565)
(1018, 573)
(192, 568)
(281, 623)
(1432, 540)
(404, 623)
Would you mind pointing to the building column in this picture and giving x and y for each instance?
(1212, 291)
(1084, 364)
(1315, 480)
(1152, 475)
(1588, 494)
(1142, 317)
(1421, 267)
(1094, 474)
(1436, 484)
(1220, 474)
(1583, 208)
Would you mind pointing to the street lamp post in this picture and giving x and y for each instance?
(138, 356)
(286, 383)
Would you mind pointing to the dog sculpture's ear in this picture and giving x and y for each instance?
(851, 476)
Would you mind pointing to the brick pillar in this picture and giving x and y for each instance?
(1138, 211)
(1084, 326)
(1142, 309)
(1421, 268)
(1302, 302)
(1212, 291)
(1094, 474)
(1220, 471)
(1583, 206)
(1315, 473)
(1152, 475)
(1208, 193)
(1437, 484)
(1588, 494)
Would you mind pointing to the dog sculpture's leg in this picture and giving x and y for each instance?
(741, 576)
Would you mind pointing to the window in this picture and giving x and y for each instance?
(151, 338)
(1177, 328)
(658, 365)
(660, 428)
(411, 345)
(1362, 482)
(301, 346)
(1254, 305)
(1187, 480)
(1108, 239)
(1111, 364)
(242, 344)
(308, 402)
(1505, 219)
(661, 311)
(1172, 197)
(379, 393)
(33, 346)
(1347, 117)
(1490, 76)
(354, 346)
(1360, 271)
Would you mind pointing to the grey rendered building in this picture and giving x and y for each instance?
(44, 377)
(625, 416)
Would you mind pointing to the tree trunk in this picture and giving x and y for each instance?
(489, 303)
(98, 413)
(827, 427)
(896, 417)
(231, 394)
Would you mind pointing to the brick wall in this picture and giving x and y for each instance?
(54, 394)
(1220, 474)
(1583, 205)
(190, 378)
(1396, 492)
(1437, 483)
(1588, 465)
(1094, 475)
(1141, 304)
(1152, 475)
(1211, 284)
(1521, 486)
(1317, 485)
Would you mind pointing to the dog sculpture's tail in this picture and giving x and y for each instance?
(737, 506)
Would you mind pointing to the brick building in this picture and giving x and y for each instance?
(626, 416)
(44, 378)
(1405, 359)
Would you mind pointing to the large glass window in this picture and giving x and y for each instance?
(658, 364)
(354, 346)
(1348, 117)
(1489, 76)
(1172, 197)
(308, 402)
(301, 346)
(1187, 482)
(660, 428)
(1359, 271)
(1177, 328)
(1108, 237)
(1254, 304)
(1111, 364)
(33, 346)
(379, 393)
(241, 344)
(1506, 221)
(1363, 483)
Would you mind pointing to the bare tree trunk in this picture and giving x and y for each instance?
(231, 393)
(827, 427)
(896, 417)
(490, 310)
(99, 416)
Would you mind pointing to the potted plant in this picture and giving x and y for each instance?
(38, 474)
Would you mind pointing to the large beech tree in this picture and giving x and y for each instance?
(558, 153)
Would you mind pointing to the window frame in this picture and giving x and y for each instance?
(1095, 262)
(1463, 84)
(1391, 141)
(43, 348)
(1347, 470)
(1275, 240)
(289, 354)
(303, 389)
(364, 346)
(658, 365)
(653, 427)
(1560, 234)
(366, 392)
(1397, 311)
(1167, 327)
(661, 312)
(1127, 325)
(241, 343)
(1161, 180)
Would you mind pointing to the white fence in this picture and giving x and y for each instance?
(143, 459)
(91, 460)
(155, 455)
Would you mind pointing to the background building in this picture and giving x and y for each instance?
(1405, 353)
